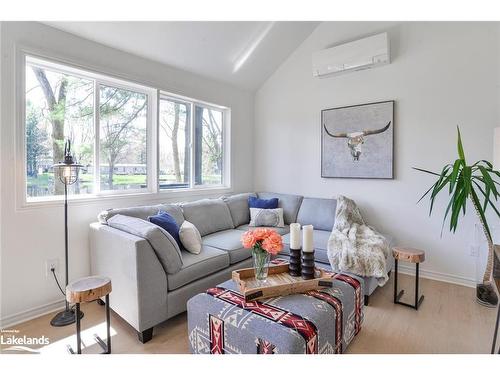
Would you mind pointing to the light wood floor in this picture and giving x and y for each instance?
(448, 321)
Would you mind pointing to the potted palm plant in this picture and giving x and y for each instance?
(477, 183)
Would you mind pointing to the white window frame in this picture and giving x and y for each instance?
(152, 192)
(226, 168)
(98, 80)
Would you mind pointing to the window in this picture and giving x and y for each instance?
(175, 144)
(58, 105)
(106, 121)
(208, 146)
(124, 142)
(123, 139)
(191, 148)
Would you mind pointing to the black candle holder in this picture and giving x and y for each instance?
(294, 267)
(308, 265)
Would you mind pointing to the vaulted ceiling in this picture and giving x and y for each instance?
(243, 54)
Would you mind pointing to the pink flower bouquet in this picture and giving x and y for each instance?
(264, 242)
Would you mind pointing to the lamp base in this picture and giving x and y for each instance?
(64, 318)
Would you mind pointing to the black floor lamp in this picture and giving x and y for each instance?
(67, 172)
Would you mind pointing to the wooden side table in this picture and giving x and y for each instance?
(408, 255)
(90, 289)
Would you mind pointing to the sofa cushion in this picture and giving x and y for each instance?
(254, 202)
(142, 212)
(196, 266)
(208, 215)
(166, 248)
(238, 207)
(320, 240)
(318, 212)
(282, 231)
(289, 203)
(229, 241)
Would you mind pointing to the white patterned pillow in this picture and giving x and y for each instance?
(262, 217)
(190, 237)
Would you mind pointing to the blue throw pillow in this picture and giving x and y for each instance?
(254, 202)
(167, 222)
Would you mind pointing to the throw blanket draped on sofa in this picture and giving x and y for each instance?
(355, 247)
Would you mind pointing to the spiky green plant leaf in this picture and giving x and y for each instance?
(460, 147)
(465, 182)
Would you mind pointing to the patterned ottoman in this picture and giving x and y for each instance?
(325, 321)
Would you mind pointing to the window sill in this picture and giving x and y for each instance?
(137, 197)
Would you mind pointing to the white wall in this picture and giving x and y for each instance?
(31, 236)
(1, 189)
(442, 74)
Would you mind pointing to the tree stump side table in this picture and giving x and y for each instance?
(89, 289)
(408, 255)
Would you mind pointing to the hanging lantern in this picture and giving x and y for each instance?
(68, 170)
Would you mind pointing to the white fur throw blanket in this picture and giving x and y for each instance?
(354, 246)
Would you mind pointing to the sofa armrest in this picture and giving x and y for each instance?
(139, 282)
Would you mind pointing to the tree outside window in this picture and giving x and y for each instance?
(174, 144)
(123, 145)
(61, 105)
(58, 106)
(208, 146)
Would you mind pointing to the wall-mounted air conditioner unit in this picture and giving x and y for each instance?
(358, 55)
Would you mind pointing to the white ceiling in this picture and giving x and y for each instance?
(243, 54)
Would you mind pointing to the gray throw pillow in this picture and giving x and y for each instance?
(262, 217)
(166, 248)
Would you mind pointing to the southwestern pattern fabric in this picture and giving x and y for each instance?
(220, 321)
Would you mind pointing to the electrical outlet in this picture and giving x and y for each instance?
(51, 264)
(474, 251)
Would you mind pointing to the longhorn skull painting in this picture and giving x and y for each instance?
(357, 141)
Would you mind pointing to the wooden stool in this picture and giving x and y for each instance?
(90, 289)
(408, 255)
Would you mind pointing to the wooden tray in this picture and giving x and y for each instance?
(278, 283)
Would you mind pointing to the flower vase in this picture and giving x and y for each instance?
(261, 259)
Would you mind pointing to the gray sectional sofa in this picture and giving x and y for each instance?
(144, 294)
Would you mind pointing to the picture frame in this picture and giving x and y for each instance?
(357, 141)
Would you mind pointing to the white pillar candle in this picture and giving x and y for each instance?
(295, 236)
(307, 239)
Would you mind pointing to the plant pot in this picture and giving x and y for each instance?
(261, 259)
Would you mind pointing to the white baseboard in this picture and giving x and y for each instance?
(15, 319)
(439, 276)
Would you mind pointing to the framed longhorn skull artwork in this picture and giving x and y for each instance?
(357, 141)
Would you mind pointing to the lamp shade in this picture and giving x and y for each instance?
(67, 171)
(496, 149)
